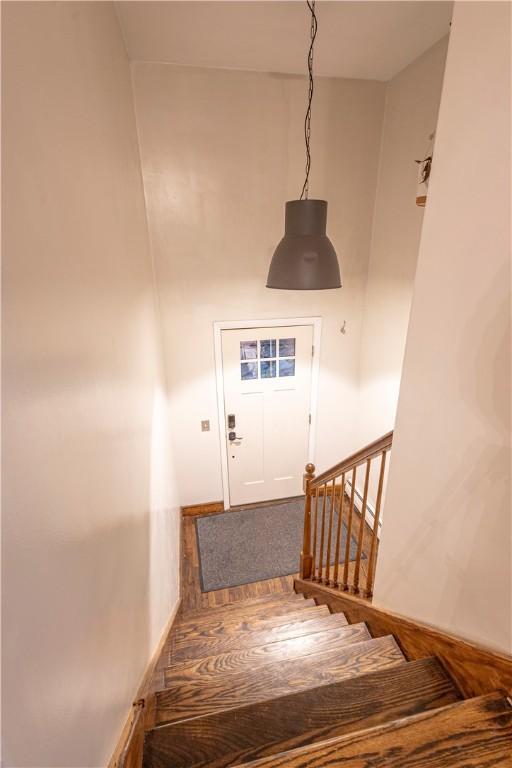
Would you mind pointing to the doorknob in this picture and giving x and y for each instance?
(232, 437)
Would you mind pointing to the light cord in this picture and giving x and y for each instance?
(307, 121)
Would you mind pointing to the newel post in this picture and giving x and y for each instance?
(306, 556)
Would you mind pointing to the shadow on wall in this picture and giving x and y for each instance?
(90, 576)
(449, 517)
(62, 704)
(164, 522)
(467, 520)
(484, 369)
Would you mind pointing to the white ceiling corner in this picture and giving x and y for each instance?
(367, 39)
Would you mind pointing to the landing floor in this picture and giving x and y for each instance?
(192, 597)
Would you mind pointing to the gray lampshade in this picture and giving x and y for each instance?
(305, 259)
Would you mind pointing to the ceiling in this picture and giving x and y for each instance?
(367, 39)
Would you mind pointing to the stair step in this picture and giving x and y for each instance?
(268, 601)
(237, 622)
(257, 656)
(476, 733)
(239, 735)
(237, 617)
(192, 699)
(249, 634)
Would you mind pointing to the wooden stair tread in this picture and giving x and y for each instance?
(241, 624)
(215, 623)
(256, 656)
(249, 732)
(244, 611)
(249, 635)
(476, 733)
(192, 699)
(247, 624)
(268, 601)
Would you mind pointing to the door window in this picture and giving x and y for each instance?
(268, 348)
(268, 369)
(287, 367)
(264, 361)
(249, 371)
(248, 350)
(286, 347)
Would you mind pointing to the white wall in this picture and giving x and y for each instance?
(90, 517)
(221, 153)
(412, 104)
(445, 556)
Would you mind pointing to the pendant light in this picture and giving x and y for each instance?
(305, 259)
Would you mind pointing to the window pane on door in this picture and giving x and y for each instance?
(248, 350)
(248, 371)
(287, 367)
(268, 348)
(268, 369)
(286, 347)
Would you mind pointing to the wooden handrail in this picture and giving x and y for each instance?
(331, 486)
(371, 450)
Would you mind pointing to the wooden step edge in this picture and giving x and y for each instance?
(476, 669)
(297, 623)
(255, 613)
(248, 635)
(259, 611)
(466, 714)
(277, 598)
(335, 636)
(332, 666)
(305, 717)
(181, 635)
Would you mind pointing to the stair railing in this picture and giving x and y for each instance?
(322, 545)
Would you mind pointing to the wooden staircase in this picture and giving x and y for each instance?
(280, 681)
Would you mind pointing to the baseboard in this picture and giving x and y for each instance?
(128, 750)
(200, 510)
(267, 503)
(476, 670)
(217, 507)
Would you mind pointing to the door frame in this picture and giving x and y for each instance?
(230, 325)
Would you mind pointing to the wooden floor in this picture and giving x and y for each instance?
(274, 679)
(192, 597)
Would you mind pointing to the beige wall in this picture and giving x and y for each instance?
(412, 104)
(446, 556)
(221, 152)
(90, 524)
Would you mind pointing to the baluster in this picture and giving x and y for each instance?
(361, 528)
(349, 529)
(305, 556)
(315, 531)
(322, 532)
(373, 551)
(338, 533)
(329, 535)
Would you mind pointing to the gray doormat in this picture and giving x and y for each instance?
(256, 544)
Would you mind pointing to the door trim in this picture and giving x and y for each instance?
(228, 325)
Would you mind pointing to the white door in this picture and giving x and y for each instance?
(267, 395)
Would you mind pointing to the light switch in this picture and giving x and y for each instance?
(205, 425)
